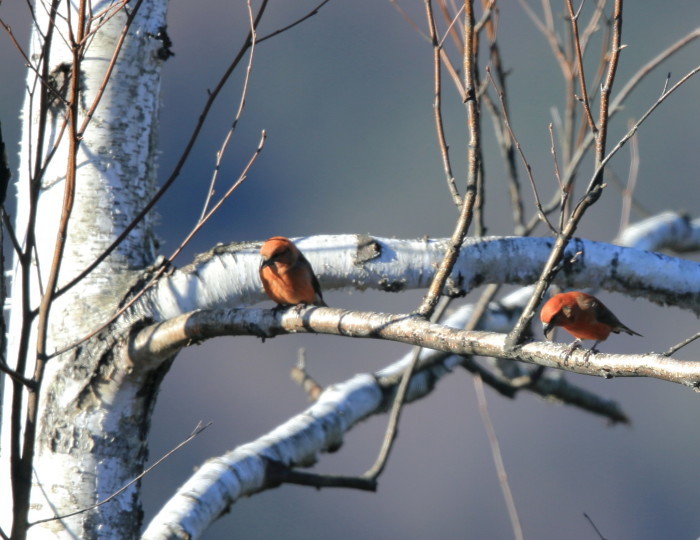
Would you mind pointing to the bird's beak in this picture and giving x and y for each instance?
(548, 329)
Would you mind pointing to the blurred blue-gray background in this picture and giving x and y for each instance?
(346, 101)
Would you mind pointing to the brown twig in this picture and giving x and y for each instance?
(573, 17)
(579, 153)
(682, 344)
(279, 473)
(443, 54)
(497, 458)
(20, 469)
(22, 481)
(606, 87)
(239, 112)
(501, 130)
(487, 17)
(518, 147)
(479, 310)
(592, 194)
(593, 22)
(628, 191)
(451, 20)
(600, 535)
(564, 192)
(213, 94)
(376, 470)
(565, 65)
(196, 431)
(300, 20)
(413, 24)
(474, 159)
(600, 71)
(15, 376)
(167, 261)
(505, 144)
(301, 376)
(437, 107)
(373, 473)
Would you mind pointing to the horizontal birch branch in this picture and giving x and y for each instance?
(163, 340)
(227, 276)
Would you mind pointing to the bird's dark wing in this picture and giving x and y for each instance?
(319, 301)
(605, 316)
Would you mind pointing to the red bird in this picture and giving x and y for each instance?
(582, 315)
(286, 275)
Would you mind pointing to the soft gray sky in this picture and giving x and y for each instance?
(346, 99)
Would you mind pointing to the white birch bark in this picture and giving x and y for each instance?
(83, 452)
(95, 413)
(228, 276)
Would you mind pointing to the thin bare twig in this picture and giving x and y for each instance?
(166, 262)
(600, 535)
(606, 87)
(373, 473)
(474, 160)
(413, 24)
(564, 191)
(505, 142)
(632, 177)
(15, 376)
(528, 169)
(579, 60)
(487, 17)
(593, 23)
(592, 193)
(20, 468)
(497, 458)
(571, 166)
(566, 67)
(301, 376)
(579, 153)
(300, 20)
(23, 463)
(213, 94)
(479, 310)
(682, 344)
(197, 430)
(239, 112)
(437, 107)
(443, 54)
(451, 23)
(397, 406)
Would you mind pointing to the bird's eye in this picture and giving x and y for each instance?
(279, 254)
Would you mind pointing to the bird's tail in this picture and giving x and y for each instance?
(626, 330)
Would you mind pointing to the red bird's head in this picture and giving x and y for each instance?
(554, 313)
(278, 250)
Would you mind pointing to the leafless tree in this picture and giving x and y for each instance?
(97, 315)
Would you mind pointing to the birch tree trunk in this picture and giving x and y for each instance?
(82, 377)
(94, 407)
